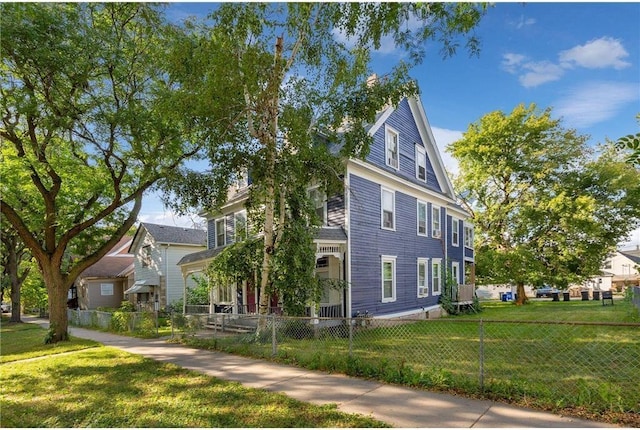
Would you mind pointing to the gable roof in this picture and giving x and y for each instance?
(113, 265)
(631, 256)
(171, 235)
(424, 128)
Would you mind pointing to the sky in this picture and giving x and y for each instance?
(582, 60)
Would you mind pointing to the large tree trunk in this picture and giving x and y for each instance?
(57, 290)
(15, 302)
(521, 298)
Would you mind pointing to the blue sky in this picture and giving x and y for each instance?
(580, 59)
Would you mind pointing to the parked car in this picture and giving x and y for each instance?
(546, 291)
(5, 307)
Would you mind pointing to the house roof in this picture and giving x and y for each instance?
(112, 265)
(632, 255)
(200, 256)
(167, 234)
(329, 233)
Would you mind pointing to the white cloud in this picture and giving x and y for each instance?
(594, 102)
(539, 73)
(512, 62)
(596, 54)
(525, 22)
(444, 137)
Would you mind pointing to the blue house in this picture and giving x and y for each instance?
(394, 234)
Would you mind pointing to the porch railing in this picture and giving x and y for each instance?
(463, 293)
(324, 311)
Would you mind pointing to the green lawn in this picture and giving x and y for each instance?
(105, 387)
(536, 355)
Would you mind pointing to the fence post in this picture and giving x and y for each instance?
(350, 336)
(481, 356)
(274, 347)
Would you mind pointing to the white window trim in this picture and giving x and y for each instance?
(393, 201)
(390, 130)
(456, 264)
(106, 289)
(455, 229)
(421, 154)
(325, 212)
(434, 262)
(426, 218)
(436, 233)
(464, 232)
(425, 287)
(235, 225)
(388, 259)
(224, 226)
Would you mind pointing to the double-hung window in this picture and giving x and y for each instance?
(388, 204)
(421, 163)
(422, 218)
(435, 222)
(436, 276)
(392, 147)
(468, 236)
(388, 278)
(220, 232)
(455, 232)
(423, 286)
(240, 224)
(320, 204)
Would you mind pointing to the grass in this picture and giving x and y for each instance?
(24, 341)
(536, 355)
(105, 387)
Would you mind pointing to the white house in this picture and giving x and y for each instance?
(157, 250)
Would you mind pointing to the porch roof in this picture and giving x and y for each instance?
(138, 287)
(199, 256)
(331, 233)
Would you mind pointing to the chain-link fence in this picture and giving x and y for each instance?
(556, 364)
(139, 323)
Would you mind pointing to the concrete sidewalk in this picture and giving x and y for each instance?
(395, 405)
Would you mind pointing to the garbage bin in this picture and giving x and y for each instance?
(565, 296)
(503, 297)
(509, 296)
(555, 297)
(596, 295)
(585, 294)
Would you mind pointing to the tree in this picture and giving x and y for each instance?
(283, 98)
(14, 259)
(544, 210)
(630, 144)
(89, 123)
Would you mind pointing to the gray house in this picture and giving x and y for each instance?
(157, 250)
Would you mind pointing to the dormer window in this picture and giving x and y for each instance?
(392, 147)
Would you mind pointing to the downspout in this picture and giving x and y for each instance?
(166, 274)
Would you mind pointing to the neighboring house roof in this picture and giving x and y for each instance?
(113, 265)
(631, 255)
(172, 235)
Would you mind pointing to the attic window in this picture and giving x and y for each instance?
(421, 163)
(146, 255)
(391, 147)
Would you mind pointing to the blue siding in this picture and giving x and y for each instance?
(369, 242)
(403, 122)
(455, 253)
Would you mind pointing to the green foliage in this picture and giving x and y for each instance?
(34, 293)
(546, 210)
(90, 122)
(630, 146)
